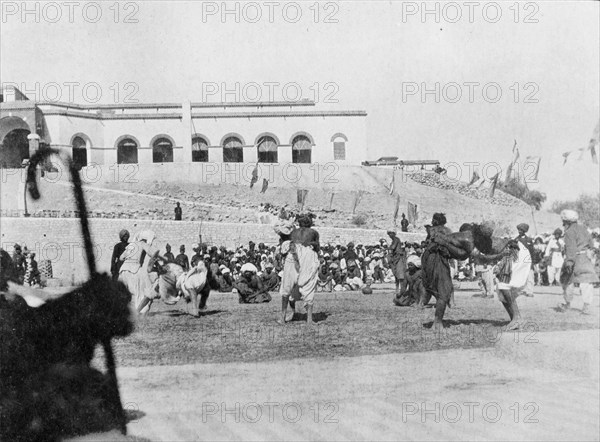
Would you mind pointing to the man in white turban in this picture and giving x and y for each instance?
(578, 268)
(250, 288)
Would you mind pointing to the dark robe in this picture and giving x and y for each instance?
(252, 292)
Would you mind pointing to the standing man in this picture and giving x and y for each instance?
(578, 267)
(118, 249)
(19, 262)
(301, 267)
(554, 252)
(178, 212)
(398, 262)
(404, 223)
(168, 255)
(182, 259)
(523, 228)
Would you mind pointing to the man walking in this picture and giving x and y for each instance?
(578, 267)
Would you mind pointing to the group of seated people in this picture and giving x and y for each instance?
(256, 269)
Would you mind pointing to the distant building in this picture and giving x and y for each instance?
(268, 132)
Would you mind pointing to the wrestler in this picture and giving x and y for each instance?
(301, 267)
(441, 248)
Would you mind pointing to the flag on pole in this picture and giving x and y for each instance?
(301, 196)
(413, 214)
(254, 176)
(265, 185)
(592, 147)
(397, 209)
(515, 152)
(494, 184)
(536, 161)
(474, 178)
(357, 199)
(392, 183)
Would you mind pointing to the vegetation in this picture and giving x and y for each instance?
(520, 190)
(359, 220)
(588, 207)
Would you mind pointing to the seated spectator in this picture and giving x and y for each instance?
(414, 293)
(225, 279)
(250, 288)
(354, 279)
(269, 278)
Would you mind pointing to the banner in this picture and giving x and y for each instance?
(592, 147)
(265, 185)
(474, 179)
(536, 161)
(515, 153)
(357, 199)
(254, 176)
(494, 184)
(413, 214)
(397, 209)
(392, 183)
(301, 197)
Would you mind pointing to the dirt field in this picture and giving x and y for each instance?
(365, 373)
(348, 324)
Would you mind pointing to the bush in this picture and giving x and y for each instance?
(359, 220)
(588, 207)
(520, 190)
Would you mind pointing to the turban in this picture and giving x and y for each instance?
(195, 246)
(414, 260)
(569, 215)
(268, 265)
(392, 230)
(350, 244)
(523, 227)
(225, 271)
(122, 234)
(558, 232)
(248, 267)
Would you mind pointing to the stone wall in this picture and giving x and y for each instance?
(59, 239)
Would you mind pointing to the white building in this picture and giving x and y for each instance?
(269, 132)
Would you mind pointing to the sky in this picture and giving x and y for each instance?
(525, 71)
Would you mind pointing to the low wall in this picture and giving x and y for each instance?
(60, 241)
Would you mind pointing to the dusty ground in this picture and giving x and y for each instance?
(349, 324)
(370, 371)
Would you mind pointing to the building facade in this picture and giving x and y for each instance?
(269, 132)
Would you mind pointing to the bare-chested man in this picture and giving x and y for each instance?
(301, 267)
(445, 246)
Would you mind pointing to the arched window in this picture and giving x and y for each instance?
(79, 152)
(233, 152)
(267, 150)
(162, 151)
(301, 149)
(15, 149)
(199, 150)
(127, 151)
(339, 146)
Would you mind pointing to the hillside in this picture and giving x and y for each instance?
(151, 190)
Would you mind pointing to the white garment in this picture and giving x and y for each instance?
(554, 250)
(520, 270)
